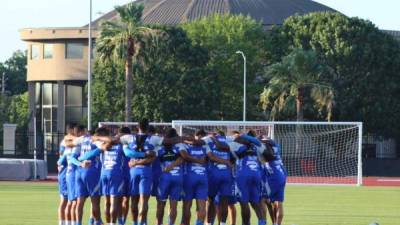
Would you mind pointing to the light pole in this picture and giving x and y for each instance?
(244, 84)
(89, 108)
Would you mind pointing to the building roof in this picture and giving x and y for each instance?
(269, 12)
(394, 33)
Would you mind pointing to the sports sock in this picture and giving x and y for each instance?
(262, 222)
(120, 221)
(143, 222)
(198, 222)
(221, 223)
(78, 223)
(135, 223)
(67, 222)
(98, 223)
(91, 221)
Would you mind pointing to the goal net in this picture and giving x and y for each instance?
(161, 128)
(321, 153)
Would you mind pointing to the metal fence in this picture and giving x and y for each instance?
(46, 144)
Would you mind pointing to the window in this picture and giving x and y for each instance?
(74, 51)
(48, 51)
(35, 51)
(74, 102)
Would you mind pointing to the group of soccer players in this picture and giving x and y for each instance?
(215, 170)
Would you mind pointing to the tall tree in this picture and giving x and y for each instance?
(366, 62)
(174, 83)
(14, 70)
(125, 39)
(222, 36)
(299, 73)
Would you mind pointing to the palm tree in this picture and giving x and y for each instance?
(290, 79)
(126, 39)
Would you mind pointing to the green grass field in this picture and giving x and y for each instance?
(36, 204)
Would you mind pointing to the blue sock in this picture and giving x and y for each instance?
(262, 222)
(121, 220)
(98, 223)
(198, 222)
(91, 221)
(143, 222)
(78, 223)
(135, 223)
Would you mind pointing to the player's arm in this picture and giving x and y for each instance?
(192, 141)
(186, 156)
(216, 159)
(130, 153)
(251, 139)
(221, 146)
(150, 157)
(177, 162)
(107, 141)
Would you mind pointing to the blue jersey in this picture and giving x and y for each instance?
(214, 166)
(277, 163)
(71, 153)
(112, 161)
(168, 155)
(139, 143)
(63, 165)
(247, 159)
(192, 168)
(85, 144)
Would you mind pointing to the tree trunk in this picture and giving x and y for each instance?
(300, 103)
(128, 89)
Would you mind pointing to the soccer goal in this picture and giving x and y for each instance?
(161, 128)
(315, 153)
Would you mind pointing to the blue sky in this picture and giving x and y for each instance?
(16, 14)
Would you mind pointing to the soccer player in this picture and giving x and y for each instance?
(70, 153)
(155, 166)
(220, 178)
(140, 169)
(275, 180)
(112, 177)
(62, 182)
(124, 209)
(171, 179)
(87, 177)
(231, 202)
(246, 150)
(195, 182)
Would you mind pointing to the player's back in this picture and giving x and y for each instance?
(215, 166)
(112, 161)
(167, 155)
(247, 158)
(193, 168)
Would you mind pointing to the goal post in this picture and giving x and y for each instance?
(314, 153)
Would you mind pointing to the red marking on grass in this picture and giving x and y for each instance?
(367, 181)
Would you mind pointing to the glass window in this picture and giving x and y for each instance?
(47, 94)
(35, 51)
(37, 94)
(74, 95)
(74, 51)
(48, 51)
(55, 95)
